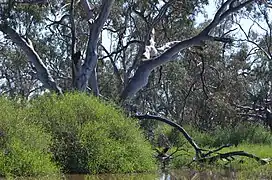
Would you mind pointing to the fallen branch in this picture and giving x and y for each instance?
(228, 155)
(200, 156)
(198, 150)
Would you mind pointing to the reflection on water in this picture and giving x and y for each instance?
(172, 175)
(197, 175)
(139, 176)
(185, 174)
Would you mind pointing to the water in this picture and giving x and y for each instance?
(184, 174)
(171, 175)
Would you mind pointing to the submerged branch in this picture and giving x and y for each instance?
(231, 154)
(173, 124)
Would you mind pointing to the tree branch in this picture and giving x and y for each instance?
(234, 153)
(175, 125)
(200, 156)
(115, 68)
(162, 12)
(91, 54)
(26, 45)
(140, 78)
(87, 8)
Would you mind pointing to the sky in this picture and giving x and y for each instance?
(245, 23)
(210, 12)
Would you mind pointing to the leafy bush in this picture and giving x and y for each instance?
(74, 133)
(89, 136)
(23, 146)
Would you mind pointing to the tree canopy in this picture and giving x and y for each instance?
(156, 55)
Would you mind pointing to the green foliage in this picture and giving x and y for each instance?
(247, 137)
(90, 136)
(74, 133)
(241, 133)
(23, 146)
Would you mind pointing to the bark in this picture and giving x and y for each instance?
(89, 65)
(140, 78)
(232, 154)
(26, 45)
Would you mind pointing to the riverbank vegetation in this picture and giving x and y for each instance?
(208, 76)
(250, 138)
(74, 133)
(57, 134)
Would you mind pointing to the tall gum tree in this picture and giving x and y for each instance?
(97, 15)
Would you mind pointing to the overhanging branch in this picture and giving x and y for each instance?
(140, 78)
(175, 125)
(26, 45)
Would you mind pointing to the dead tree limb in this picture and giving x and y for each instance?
(200, 156)
(198, 150)
(227, 155)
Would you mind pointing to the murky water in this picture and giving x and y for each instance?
(172, 175)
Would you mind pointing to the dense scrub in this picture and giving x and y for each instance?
(75, 132)
(24, 147)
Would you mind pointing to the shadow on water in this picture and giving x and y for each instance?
(171, 175)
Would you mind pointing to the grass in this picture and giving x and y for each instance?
(253, 139)
(249, 168)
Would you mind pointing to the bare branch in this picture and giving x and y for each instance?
(115, 69)
(162, 12)
(254, 43)
(140, 78)
(26, 45)
(234, 153)
(124, 48)
(223, 12)
(173, 124)
(87, 8)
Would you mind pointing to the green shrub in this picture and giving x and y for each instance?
(241, 133)
(23, 146)
(90, 136)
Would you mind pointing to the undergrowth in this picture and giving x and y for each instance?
(74, 133)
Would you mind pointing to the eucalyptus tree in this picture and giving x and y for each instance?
(59, 36)
(257, 72)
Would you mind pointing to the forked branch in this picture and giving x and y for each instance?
(140, 78)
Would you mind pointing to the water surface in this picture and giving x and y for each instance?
(171, 175)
